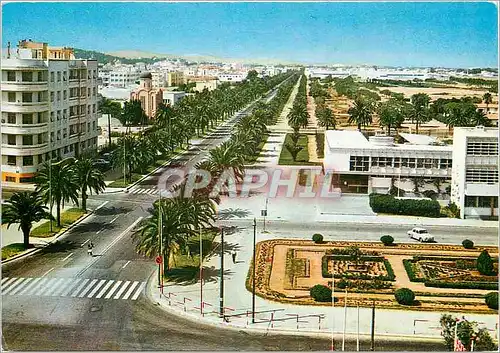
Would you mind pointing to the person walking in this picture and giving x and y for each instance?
(233, 254)
(89, 249)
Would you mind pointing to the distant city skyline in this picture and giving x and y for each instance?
(460, 34)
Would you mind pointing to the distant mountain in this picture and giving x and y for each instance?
(103, 58)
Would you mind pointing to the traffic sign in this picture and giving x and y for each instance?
(263, 213)
(158, 260)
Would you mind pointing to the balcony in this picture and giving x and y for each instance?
(24, 129)
(20, 86)
(25, 107)
(20, 150)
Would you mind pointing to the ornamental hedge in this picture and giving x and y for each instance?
(389, 204)
(317, 238)
(491, 299)
(485, 263)
(468, 244)
(326, 274)
(387, 240)
(404, 296)
(321, 293)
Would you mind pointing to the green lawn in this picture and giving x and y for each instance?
(12, 250)
(184, 267)
(302, 157)
(118, 183)
(320, 144)
(67, 218)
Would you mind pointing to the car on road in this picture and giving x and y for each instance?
(420, 234)
(102, 165)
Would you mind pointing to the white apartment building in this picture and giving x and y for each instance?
(231, 77)
(120, 76)
(49, 108)
(474, 185)
(361, 165)
(172, 97)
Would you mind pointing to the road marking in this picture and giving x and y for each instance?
(114, 219)
(79, 287)
(56, 287)
(101, 205)
(13, 285)
(125, 265)
(130, 290)
(4, 279)
(38, 285)
(85, 242)
(138, 291)
(30, 286)
(87, 289)
(28, 280)
(122, 289)
(49, 286)
(110, 293)
(70, 288)
(111, 244)
(101, 293)
(67, 257)
(65, 284)
(8, 282)
(96, 288)
(100, 230)
(46, 273)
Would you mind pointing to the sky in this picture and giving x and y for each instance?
(459, 34)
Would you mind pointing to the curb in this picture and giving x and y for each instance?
(150, 287)
(57, 236)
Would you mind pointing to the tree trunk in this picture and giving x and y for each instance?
(58, 212)
(492, 206)
(109, 129)
(84, 199)
(389, 130)
(359, 127)
(26, 235)
(416, 127)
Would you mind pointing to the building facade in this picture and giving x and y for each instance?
(171, 97)
(474, 187)
(149, 97)
(175, 78)
(361, 165)
(49, 108)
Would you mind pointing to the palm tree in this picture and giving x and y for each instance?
(325, 116)
(420, 109)
(293, 149)
(25, 208)
(360, 113)
(487, 99)
(90, 178)
(58, 183)
(390, 114)
(480, 119)
(112, 109)
(298, 116)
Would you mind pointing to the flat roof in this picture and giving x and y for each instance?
(417, 139)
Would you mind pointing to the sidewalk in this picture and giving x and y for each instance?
(184, 300)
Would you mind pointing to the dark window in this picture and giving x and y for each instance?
(11, 76)
(27, 160)
(28, 97)
(11, 96)
(11, 118)
(27, 76)
(11, 160)
(470, 201)
(26, 180)
(27, 118)
(27, 140)
(11, 140)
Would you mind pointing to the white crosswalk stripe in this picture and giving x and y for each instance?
(73, 287)
(4, 279)
(144, 191)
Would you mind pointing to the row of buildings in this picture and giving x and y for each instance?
(468, 169)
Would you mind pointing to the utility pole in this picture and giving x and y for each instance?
(357, 336)
(221, 290)
(253, 270)
(345, 319)
(160, 229)
(201, 274)
(265, 214)
(333, 306)
(372, 345)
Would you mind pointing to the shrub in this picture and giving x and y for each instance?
(468, 244)
(342, 284)
(491, 300)
(387, 240)
(431, 194)
(404, 296)
(485, 263)
(321, 293)
(388, 204)
(317, 238)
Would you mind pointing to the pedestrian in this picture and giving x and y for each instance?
(89, 249)
(233, 254)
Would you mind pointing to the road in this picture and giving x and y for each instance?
(63, 299)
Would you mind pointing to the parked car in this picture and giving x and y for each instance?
(102, 164)
(420, 234)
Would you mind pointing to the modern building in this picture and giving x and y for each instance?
(490, 110)
(362, 165)
(231, 77)
(49, 108)
(172, 97)
(120, 76)
(201, 84)
(149, 97)
(175, 78)
(474, 187)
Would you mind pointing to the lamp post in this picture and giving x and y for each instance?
(333, 305)
(253, 271)
(201, 274)
(221, 291)
(265, 214)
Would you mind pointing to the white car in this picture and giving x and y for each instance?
(420, 234)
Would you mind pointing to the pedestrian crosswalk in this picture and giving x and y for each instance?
(149, 191)
(72, 287)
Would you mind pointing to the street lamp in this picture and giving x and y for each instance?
(253, 271)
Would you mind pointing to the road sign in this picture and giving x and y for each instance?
(263, 213)
(158, 260)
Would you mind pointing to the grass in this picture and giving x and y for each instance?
(118, 183)
(12, 250)
(68, 217)
(302, 157)
(320, 145)
(184, 267)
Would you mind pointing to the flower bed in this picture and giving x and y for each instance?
(378, 268)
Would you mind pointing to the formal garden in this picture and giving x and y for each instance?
(431, 277)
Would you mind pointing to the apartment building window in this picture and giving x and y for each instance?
(94, 92)
(40, 76)
(65, 94)
(40, 138)
(94, 108)
(483, 148)
(58, 96)
(88, 92)
(83, 109)
(82, 128)
(27, 76)
(27, 140)
(66, 150)
(58, 76)
(65, 74)
(58, 115)
(52, 116)
(93, 126)
(27, 160)
(40, 158)
(482, 176)
(11, 118)
(11, 96)
(59, 135)
(88, 127)
(52, 76)
(359, 163)
(445, 163)
(89, 108)
(52, 137)
(65, 114)
(71, 148)
(52, 96)
(397, 162)
(11, 76)
(11, 160)
(481, 201)
(11, 140)
(65, 133)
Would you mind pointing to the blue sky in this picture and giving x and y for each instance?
(400, 34)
